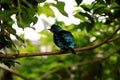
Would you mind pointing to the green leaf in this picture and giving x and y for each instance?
(10, 42)
(40, 1)
(19, 38)
(6, 1)
(13, 31)
(60, 6)
(80, 17)
(85, 8)
(5, 15)
(25, 18)
(45, 10)
(78, 2)
(86, 25)
(98, 8)
(82, 25)
(9, 62)
(89, 26)
(35, 19)
(88, 16)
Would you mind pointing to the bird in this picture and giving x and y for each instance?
(62, 38)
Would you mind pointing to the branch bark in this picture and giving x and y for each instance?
(14, 56)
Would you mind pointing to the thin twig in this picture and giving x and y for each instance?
(13, 72)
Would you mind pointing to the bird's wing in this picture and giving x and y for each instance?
(64, 40)
(66, 37)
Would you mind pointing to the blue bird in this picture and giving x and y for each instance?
(63, 39)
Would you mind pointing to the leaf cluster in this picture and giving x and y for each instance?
(96, 10)
(24, 11)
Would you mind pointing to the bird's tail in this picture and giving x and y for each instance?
(72, 50)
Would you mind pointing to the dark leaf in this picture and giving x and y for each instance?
(13, 31)
(60, 6)
(108, 21)
(34, 2)
(99, 10)
(108, 1)
(25, 18)
(19, 38)
(40, 1)
(116, 13)
(80, 17)
(6, 1)
(10, 43)
(5, 15)
(118, 2)
(86, 25)
(89, 26)
(85, 8)
(78, 2)
(88, 16)
(35, 19)
(82, 25)
(9, 62)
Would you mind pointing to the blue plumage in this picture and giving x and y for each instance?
(63, 39)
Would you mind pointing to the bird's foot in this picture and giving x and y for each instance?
(62, 51)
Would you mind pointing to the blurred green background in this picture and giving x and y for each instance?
(97, 21)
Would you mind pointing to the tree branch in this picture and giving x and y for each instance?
(14, 56)
(13, 72)
(99, 44)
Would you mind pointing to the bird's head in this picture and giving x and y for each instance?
(55, 28)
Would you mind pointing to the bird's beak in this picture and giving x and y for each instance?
(50, 30)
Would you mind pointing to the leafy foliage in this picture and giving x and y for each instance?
(9, 62)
